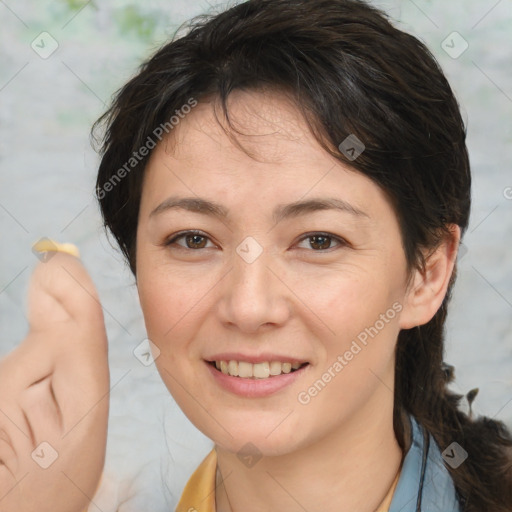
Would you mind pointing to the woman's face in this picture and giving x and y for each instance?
(295, 261)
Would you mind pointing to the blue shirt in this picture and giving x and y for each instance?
(437, 494)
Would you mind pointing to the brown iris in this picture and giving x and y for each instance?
(323, 241)
(195, 241)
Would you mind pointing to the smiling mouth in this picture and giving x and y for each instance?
(264, 370)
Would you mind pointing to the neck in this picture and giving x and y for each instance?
(351, 469)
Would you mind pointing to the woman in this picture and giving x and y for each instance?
(289, 183)
(323, 101)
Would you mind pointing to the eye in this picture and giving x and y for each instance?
(195, 240)
(192, 240)
(322, 241)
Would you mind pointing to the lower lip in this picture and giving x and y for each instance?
(255, 388)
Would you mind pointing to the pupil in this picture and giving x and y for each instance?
(195, 240)
(321, 240)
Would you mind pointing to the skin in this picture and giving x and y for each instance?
(55, 390)
(294, 299)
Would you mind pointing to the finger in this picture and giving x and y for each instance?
(60, 290)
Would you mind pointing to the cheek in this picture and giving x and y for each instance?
(164, 303)
(357, 359)
(168, 312)
(360, 313)
(348, 301)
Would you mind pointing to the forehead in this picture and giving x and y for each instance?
(265, 126)
(280, 160)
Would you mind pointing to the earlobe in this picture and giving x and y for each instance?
(427, 288)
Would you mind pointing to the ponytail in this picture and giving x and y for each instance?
(484, 480)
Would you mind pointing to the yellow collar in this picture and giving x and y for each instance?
(199, 493)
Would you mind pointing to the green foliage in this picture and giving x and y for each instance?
(75, 5)
(131, 20)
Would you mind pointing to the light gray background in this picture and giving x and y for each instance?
(47, 174)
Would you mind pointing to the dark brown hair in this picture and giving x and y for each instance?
(350, 72)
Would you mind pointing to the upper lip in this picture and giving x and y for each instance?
(260, 358)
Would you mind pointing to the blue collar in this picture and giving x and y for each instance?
(435, 491)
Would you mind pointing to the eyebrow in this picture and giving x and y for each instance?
(281, 212)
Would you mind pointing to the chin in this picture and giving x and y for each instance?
(266, 438)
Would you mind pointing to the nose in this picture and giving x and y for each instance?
(253, 297)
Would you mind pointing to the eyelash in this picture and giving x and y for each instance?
(172, 241)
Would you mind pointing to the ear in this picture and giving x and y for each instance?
(427, 289)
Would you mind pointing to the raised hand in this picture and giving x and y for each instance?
(54, 395)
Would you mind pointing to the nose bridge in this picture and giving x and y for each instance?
(252, 296)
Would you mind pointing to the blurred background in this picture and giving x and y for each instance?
(60, 63)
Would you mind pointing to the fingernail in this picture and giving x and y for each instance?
(46, 245)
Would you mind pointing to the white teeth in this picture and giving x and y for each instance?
(263, 370)
(233, 368)
(275, 368)
(287, 367)
(244, 369)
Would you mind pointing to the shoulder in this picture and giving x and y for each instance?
(425, 485)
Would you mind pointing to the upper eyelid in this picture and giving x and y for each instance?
(322, 233)
(177, 236)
